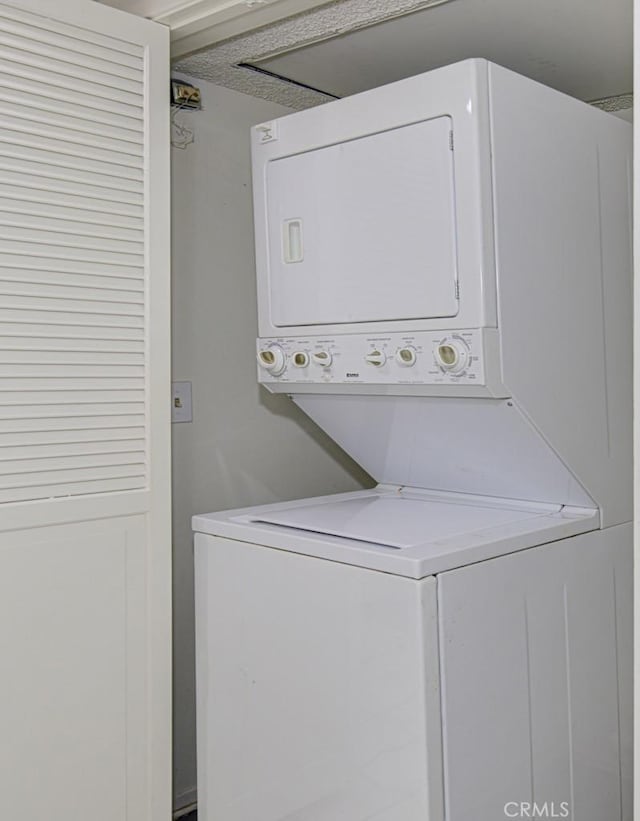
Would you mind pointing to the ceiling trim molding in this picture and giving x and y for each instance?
(219, 63)
(201, 23)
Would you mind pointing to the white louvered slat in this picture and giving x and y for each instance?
(58, 331)
(106, 88)
(19, 219)
(78, 70)
(20, 298)
(10, 481)
(66, 411)
(54, 266)
(31, 123)
(49, 370)
(79, 400)
(81, 41)
(26, 465)
(70, 438)
(118, 288)
(64, 320)
(70, 344)
(20, 286)
(46, 237)
(33, 206)
(74, 124)
(42, 357)
(73, 423)
(49, 451)
(73, 388)
(63, 110)
(28, 244)
(48, 180)
(65, 383)
(38, 50)
(61, 153)
(105, 110)
(78, 488)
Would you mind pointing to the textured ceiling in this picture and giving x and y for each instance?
(220, 64)
(583, 48)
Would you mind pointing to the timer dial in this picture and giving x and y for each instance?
(452, 355)
(272, 359)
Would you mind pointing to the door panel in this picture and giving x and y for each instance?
(69, 594)
(365, 230)
(84, 414)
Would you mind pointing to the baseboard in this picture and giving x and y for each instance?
(185, 802)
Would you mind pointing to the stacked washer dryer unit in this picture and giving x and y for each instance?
(444, 283)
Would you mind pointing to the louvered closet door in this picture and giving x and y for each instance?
(84, 414)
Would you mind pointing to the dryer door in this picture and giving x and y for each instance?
(364, 231)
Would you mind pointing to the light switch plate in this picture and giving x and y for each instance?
(181, 410)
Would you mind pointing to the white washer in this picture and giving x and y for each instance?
(444, 286)
(342, 679)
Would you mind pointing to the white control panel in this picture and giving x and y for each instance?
(424, 358)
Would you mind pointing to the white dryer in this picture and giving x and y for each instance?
(444, 279)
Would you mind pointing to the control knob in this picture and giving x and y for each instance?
(406, 357)
(322, 358)
(377, 358)
(452, 356)
(272, 359)
(300, 359)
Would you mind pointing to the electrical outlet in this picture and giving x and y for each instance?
(181, 410)
(184, 95)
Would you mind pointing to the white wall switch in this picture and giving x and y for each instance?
(181, 402)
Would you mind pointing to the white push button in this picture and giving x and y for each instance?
(406, 357)
(322, 358)
(377, 358)
(272, 359)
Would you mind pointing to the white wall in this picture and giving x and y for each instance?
(244, 446)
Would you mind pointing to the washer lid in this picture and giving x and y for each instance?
(398, 520)
(406, 532)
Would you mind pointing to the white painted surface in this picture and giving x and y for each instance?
(85, 567)
(244, 446)
(563, 257)
(318, 689)
(479, 528)
(463, 444)
(536, 672)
